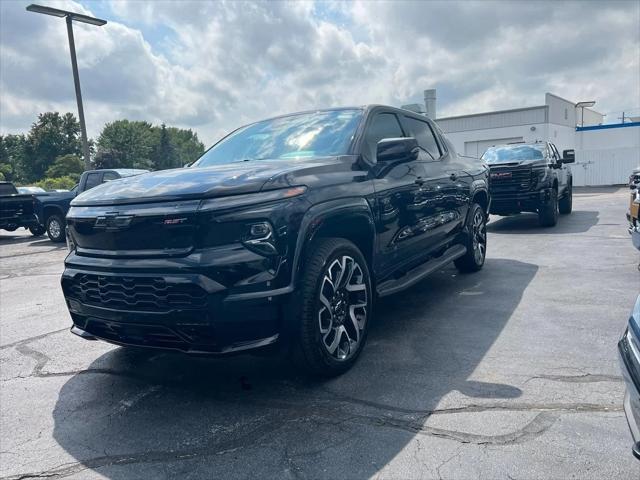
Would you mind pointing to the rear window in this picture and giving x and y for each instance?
(93, 179)
(7, 189)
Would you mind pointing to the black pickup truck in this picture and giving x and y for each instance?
(17, 210)
(51, 207)
(530, 177)
(282, 233)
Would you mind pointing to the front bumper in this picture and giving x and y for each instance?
(216, 302)
(629, 357)
(509, 202)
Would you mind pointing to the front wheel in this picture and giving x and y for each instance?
(566, 202)
(332, 308)
(55, 228)
(548, 214)
(476, 241)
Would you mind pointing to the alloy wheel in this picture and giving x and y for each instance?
(342, 314)
(479, 236)
(55, 228)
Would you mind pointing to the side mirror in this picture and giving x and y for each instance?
(397, 150)
(568, 156)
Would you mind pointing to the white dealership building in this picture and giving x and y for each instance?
(605, 153)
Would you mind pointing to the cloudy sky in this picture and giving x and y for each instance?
(212, 66)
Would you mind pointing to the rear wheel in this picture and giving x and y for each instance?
(565, 205)
(332, 308)
(548, 214)
(37, 230)
(55, 228)
(476, 242)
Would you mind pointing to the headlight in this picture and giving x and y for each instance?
(234, 201)
(261, 239)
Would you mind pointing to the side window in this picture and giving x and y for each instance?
(424, 135)
(384, 125)
(93, 179)
(110, 176)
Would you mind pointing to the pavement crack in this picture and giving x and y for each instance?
(586, 378)
(40, 358)
(31, 339)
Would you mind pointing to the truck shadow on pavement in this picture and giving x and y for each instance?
(579, 221)
(139, 414)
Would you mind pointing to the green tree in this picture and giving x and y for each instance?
(125, 144)
(164, 152)
(187, 145)
(51, 136)
(12, 157)
(66, 165)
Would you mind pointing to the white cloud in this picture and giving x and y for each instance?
(213, 66)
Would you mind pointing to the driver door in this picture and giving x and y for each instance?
(399, 197)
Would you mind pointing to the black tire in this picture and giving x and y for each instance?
(344, 315)
(476, 241)
(548, 215)
(55, 228)
(37, 230)
(565, 205)
(11, 228)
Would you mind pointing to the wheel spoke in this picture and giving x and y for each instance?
(336, 340)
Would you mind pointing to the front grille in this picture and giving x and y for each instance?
(508, 181)
(136, 293)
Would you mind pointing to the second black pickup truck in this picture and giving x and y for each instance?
(282, 233)
(17, 210)
(530, 177)
(51, 208)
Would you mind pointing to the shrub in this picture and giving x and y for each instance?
(67, 182)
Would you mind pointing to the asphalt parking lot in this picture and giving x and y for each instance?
(510, 373)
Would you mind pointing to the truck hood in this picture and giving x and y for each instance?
(217, 181)
(515, 163)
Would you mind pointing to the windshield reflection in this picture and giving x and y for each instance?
(322, 133)
(514, 153)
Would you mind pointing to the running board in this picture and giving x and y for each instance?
(390, 287)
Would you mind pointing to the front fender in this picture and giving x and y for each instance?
(319, 215)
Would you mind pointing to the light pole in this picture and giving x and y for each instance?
(70, 16)
(582, 106)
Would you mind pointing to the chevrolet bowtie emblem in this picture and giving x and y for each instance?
(113, 221)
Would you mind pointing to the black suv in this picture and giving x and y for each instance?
(282, 233)
(530, 177)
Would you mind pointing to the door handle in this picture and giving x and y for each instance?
(419, 181)
(453, 177)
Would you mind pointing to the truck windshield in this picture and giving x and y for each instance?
(315, 134)
(513, 153)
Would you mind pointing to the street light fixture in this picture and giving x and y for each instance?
(70, 17)
(582, 106)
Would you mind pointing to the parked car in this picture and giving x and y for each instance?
(17, 210)
(52, 207)
(281, 234)
(530, 177)
(629, 344)
(31, 190)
